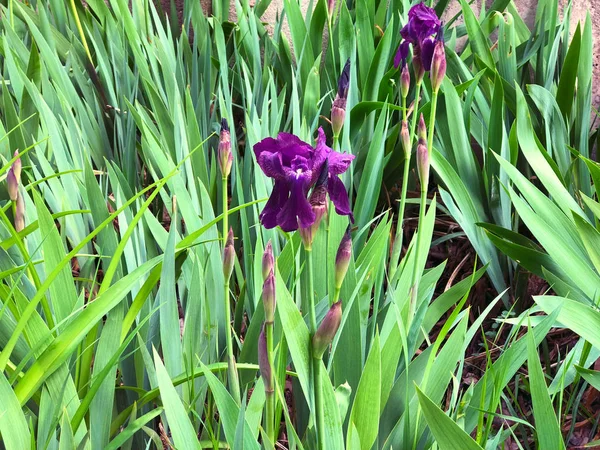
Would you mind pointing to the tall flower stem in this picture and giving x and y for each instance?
(422, 205)
(413, 122)
(232, 375)
(270, 395)
(312, 314)
(397, 247)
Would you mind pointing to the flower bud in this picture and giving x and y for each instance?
(405, 136)
(342, 258)
(13, 178)
(20, 213)
(330, 7)
(268, 296)
(438, 65)
(327, 330)
(268, 261)
(228, 255)
(224, 152)
(318, 202)
(423, 164)
(404, 81)
(263, 361)
(338, 109)
(422, 129)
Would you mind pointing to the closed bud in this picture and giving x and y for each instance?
(342, 258)
(338, 109)
(318, 203)
(330, 7)
(268, 261)
(268, 296)
(405, 136)
(263, 361)
(224, 152)
(228, 255)
(423, 164)
(422, 129)
(327, 330)
(20, 213)
(404, 81)
(418, 68)
(438, 65)
(12, 184)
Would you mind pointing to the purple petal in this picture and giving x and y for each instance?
(402, 53)
(339, 197)
(297, 209)
(271, 165)
(287, 145)
(320, 155)
(339, 162)
(427, 47)
(279, 195)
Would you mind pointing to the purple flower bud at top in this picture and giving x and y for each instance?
(438, 64)
(268, 261)
(423, 164)
(342, 258)
(405, 136)
(228, 255)
(268, 297)
(263, 361)
(404, 81)
(327, 330)
(330, 7)
(422, 129)
(318, 203)
(224, 152)
(338, 109)
(20, 213)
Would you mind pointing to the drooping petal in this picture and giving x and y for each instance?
(401, 54)
(339, 197)
(320, 155)
(427, 47)
(279, 196)
(297, 209)
(339, 162)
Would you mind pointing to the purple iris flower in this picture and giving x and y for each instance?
(422, 24)
(295, 166)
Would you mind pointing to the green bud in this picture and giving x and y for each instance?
(263, 361)
(327, 330)
(405, 137)
(228, 255)
(268, 261)
(342, 258)
(20, 213)
(268, 296)
(423, 164)
(224, 152)
(404, 81)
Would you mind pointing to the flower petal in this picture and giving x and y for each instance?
(297, 209)
(427, 47)
(287, 145)
(401, 54)
(339, 197)
(339, 162)
(279, 195)
(320, 155)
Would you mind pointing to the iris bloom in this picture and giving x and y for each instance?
(295, 166)
(422, 24)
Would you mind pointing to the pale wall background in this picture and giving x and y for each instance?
(527, 9)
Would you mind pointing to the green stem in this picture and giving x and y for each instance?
(270, 393)
(81, 33)
(422, 205)
(413, 122)
(318, 367)
(336, 296)
(232, 375)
